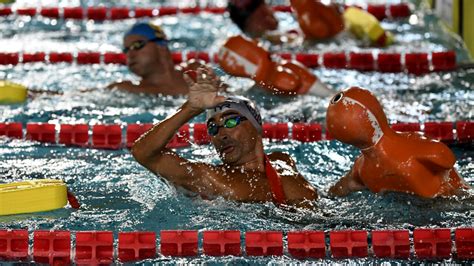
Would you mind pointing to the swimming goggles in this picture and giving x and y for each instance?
(231, 122)
(137, 45)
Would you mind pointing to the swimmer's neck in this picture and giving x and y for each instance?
(256, 164)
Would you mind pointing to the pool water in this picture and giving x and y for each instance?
(118, 194)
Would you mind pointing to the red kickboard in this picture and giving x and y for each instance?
(307, 244)
(221, 243)
(264, 243)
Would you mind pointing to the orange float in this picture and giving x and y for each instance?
(243, 57)
(389, 160)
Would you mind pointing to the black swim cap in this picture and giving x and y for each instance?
(241, 10)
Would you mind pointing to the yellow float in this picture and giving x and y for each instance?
(32, 196)
(12, 92)
(365, 26)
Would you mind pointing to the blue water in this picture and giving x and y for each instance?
(119, 195)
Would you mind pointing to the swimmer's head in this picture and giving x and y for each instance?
(145, 46)
(235, 127)
(252, 16)
(241, 105)
(151, 32)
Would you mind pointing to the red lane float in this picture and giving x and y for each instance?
(464, 239)
(221, 243)
(115, 13)
(307, 244)
(414, 63)
(432, 243)
(41, 132)
(96, 247)
(106, 136)
(112, 137)
(264, 243)
(347, 244)
(74, 135)
(11, 130)
(179, 243)
(13, 245)
(135, 246)
(52, 247)
(391, 244)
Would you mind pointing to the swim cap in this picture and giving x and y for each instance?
(243, 106)
(148, 30)
(240, 10)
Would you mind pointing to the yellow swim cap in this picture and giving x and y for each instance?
(12, 93)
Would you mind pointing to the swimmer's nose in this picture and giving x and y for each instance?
(337, 97)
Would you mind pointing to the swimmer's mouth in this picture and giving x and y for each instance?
(227, 149)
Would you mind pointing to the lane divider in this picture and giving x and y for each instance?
(101, 13)
(115, 136)
(415, 63)
(55, 247)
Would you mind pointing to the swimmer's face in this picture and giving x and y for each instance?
(235, 145)
(261, 21)
(141, 54)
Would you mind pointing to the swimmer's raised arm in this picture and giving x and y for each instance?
(150, 149)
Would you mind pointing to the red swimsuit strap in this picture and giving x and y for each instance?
(274, 181)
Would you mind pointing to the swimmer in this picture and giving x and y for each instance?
(390, 161)
(246, 174)
(256, 19)
(149, 57)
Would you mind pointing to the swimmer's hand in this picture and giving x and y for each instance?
(203, 92)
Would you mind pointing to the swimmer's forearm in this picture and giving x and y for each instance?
(151, 145)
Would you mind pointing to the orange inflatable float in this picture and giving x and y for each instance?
(317, 20)
(389, 160)
(243, 57)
